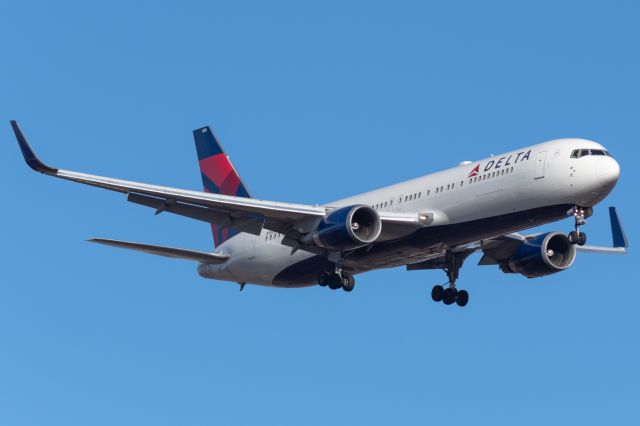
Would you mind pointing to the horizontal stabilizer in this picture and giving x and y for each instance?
(177, 253)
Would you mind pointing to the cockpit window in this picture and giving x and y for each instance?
(577, 153)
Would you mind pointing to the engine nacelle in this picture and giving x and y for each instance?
(541, 255)
(347, 228)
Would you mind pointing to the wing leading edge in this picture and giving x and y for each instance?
(245, 214)
(234, 206)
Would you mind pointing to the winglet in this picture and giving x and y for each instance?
(27, 152)
(617, 231)
(620, 243)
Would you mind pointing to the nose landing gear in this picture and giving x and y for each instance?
(577, 237)
(451, 294)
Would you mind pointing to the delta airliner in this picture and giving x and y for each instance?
(432, 222)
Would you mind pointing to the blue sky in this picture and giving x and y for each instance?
(313, 102)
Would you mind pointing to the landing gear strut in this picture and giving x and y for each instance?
(577, 237)
(336, 280)
(451, 294)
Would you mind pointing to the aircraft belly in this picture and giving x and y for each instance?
(423, 243)
(268, 260)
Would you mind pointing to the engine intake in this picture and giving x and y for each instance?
(541, 255)
(347, 228)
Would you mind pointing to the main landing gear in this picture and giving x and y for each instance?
(451, 294)
(336, 280)
(577, 237)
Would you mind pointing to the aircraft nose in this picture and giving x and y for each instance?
(608, 172)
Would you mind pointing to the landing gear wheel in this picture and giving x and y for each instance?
(437, 293)
(323, 278)
(348, 283)
(449, 296)
(335, 281)
(576, 237)
(573, 237)
(462, 298)
(582, 239)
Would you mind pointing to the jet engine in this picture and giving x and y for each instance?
(541, 255)
(346, 228)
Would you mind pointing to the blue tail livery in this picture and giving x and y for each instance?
(218, 175)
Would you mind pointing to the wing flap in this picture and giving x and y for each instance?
(244, 223)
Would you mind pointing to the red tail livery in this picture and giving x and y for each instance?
(218, 175)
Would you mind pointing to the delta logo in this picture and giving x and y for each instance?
(475, 171)
(501, 162)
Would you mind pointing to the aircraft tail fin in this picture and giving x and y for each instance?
(218, 175)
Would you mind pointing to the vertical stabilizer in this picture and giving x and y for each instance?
(218, 175)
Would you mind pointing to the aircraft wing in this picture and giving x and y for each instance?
(245, 214)
(504, 246)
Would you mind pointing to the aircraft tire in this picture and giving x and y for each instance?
(449, 296)
(582, 239)
(348, 283)
(462, 298)
(437, 293)
(573, 237)
(323, 278)
(335, 281)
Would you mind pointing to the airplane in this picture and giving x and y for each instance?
(432, 222)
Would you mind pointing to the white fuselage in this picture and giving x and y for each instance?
(520, 181)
